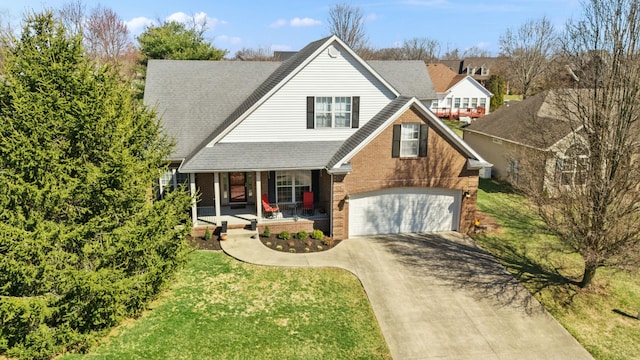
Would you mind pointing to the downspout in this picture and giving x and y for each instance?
(331, 209)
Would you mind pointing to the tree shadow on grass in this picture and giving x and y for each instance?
(535, 275)
(456, 261)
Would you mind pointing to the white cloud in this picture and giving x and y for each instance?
(233, 40)
(278, 23)
(137, 25)
(300, 22)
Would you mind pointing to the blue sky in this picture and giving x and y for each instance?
(290, 25)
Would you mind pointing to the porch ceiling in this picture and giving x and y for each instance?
(260, 156)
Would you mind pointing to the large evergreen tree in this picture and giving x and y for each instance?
(83, 243)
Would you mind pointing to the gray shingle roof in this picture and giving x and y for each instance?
(409, 77)
(194, 97)
(262, 156)
(359, 136)
(271, 82)
(531, 122)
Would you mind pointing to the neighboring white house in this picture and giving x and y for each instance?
(458, 95)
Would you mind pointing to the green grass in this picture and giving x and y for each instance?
(601, 317)
(454, 125)
(219, 308)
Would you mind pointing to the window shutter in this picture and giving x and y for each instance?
(355, 112)
(272, 187)
(424, 139)
(397, 132)
(315, 184)
(310, 112)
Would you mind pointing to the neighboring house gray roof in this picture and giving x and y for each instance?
(189, 97)
(359, 136)
(531, 122)
(262, 156)
(409, 77)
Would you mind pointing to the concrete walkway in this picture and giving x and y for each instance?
(435, 296)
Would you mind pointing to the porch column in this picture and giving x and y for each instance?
(194, 203)
(216, 194)
(259, 195)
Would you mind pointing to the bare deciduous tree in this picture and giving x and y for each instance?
(263, 53)
(73, 15)
(419, 48)
(594, 204)
(347, 22)
(107, 36)
(527, 51)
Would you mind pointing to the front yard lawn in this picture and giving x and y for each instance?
(602, 318)
(219, 308)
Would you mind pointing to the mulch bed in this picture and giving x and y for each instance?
(199, 243)
(294, 245)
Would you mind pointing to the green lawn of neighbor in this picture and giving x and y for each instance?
(220, 308)
(603, 317)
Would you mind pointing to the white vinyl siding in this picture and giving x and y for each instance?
(282, 117)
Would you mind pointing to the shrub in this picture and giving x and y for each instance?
(207, 234)
(267, 231)
(284, 235)
(301, 235)
(292, 250)
(328, 241)
(317, 234)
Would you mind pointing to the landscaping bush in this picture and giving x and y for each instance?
(267, 231)
(207, 234)
(317, 234)
(284, 235)
(301, 235)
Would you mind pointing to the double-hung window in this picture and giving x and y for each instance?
(325, 112)
(465, 102)
(573, 166)
(409, 140)
(456, 103)
(290, 185)
(483, 102)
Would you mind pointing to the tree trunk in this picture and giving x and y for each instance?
(589, 273)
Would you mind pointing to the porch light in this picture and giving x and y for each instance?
(467, 194)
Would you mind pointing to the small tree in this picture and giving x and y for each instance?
(173, 40)
(594, 206)
(495, 85)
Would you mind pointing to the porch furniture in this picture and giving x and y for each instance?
(307, 203)
(272, 211)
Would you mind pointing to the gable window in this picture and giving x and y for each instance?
(572, 167)
(290, 185)
(409, 140)
(324, 112)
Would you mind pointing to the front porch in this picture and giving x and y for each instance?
(236, 197)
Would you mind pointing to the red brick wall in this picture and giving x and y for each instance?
(375, 169)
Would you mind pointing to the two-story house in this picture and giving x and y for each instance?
(254, 139)
(458, 95)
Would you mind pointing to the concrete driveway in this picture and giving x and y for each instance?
(436, 296)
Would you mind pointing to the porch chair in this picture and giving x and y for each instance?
(307, 203)
(272, 211)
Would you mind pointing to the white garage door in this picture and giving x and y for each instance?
(404, 210)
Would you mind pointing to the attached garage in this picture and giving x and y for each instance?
(404, 210)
